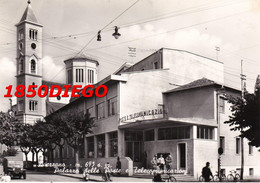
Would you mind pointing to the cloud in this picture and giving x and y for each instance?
(53, 71)
(7, 73)
(193, 39)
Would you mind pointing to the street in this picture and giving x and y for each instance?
(44, 177)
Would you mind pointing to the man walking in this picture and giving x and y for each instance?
(206, 172)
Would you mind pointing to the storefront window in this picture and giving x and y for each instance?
(113, 140)
(174, 133)
(101, 146)
(90, 141)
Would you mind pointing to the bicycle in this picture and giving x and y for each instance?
(219, 178)
(201, 179)
(168, 178)
(105, 177)
(233, 176)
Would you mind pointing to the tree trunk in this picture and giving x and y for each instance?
(61, 158)
(242, 159)
(77, 165)
(37, 158)
(26, 157)
(33, 156)
(52, 160)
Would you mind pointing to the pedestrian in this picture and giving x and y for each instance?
(206, 172)
(5, 166)
(107, 169)
(118, 166)
(161, 162)
(168, 162)
(154, 162)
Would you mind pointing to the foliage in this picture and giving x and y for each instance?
(10, 152)
(245, 117)
(57, 128)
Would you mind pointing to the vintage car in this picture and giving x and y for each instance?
(15, 169)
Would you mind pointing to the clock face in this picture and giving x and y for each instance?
(33, 45)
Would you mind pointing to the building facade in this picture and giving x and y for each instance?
(158, 106)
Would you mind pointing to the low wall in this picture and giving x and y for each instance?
(1, 170)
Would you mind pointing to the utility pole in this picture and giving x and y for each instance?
(243, 78)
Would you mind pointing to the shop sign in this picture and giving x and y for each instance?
(142, 114)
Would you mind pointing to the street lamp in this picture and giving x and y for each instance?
(99, 36)
(116, 34)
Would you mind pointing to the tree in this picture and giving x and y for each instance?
(78, 125)
(8, 135)
(245, 117)
(72, 126)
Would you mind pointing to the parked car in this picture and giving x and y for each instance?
(15, 169)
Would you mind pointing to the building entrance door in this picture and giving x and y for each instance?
(182, 156)
(134, 145)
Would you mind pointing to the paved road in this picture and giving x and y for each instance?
(42, 177)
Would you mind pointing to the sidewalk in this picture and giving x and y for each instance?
(97, 178)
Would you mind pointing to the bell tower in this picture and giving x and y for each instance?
(29, 65)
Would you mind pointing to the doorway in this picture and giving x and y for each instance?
(182, 154)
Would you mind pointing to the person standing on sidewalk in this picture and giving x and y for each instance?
(206, 172)
(161, 162)
(168, 162)
(118, 166)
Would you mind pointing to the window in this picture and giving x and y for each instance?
(238, 142)
(33, 66)
(90, 76)
(21, 66)
(79, 75)
(21, 35)
(221, 105)
(250, 149)
(155, 65)
(204, 132)
(101, 146)
(149, 135)
(33, 105)
(174, 133)
(222, 143)
(251, 171)
(33, 34)
(91, 111)
(101, 110)
(112, 106)
(20, 105)
(90, 142)
(69, 72)
(113, 144)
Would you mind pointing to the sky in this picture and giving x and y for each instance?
(198, 26)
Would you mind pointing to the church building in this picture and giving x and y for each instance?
(80, 70)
